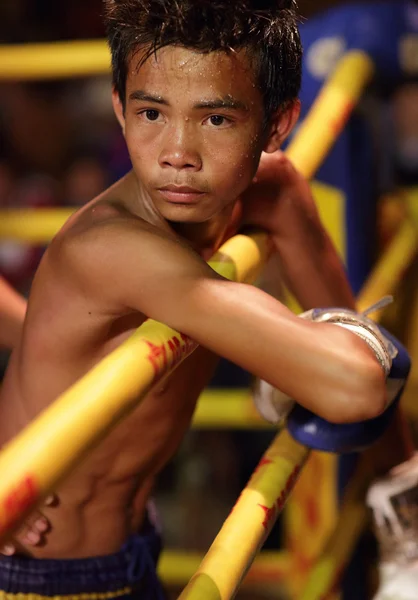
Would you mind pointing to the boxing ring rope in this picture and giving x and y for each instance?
(228, 408)
(56, 60)
(34, 226)
(28, 473)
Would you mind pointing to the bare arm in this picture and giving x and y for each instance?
(281, 202)
(327, 369)
(12, 314)
(310, 266)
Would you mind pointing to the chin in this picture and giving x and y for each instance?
(186, 213)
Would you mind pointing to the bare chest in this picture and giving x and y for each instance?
(145, 439)
(148, 437)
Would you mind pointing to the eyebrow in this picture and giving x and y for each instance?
(141, 95)
(227, 102)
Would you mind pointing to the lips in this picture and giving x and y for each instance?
(180, 194)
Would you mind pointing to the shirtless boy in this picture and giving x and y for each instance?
(201, 88)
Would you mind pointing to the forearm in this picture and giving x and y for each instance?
(12, 314)
(325, 368)
(317, 278)
(313, 271)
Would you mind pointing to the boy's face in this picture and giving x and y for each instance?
(193, 127)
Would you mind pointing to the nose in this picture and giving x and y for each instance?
(179, 150)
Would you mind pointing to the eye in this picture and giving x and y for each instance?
(216, 120)
(150, 114)
(219, 121)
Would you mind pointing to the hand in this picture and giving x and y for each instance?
(33, 531)
(279, 200)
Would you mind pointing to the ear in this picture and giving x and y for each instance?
(118, 109)
(281, 125)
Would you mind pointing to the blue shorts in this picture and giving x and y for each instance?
(129, 574)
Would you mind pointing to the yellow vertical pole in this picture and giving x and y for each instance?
(237, 543)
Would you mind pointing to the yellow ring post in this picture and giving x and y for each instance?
(176, 567)
(330, 111)
(54, 60)
(33, 225)
(325, 577)
(29, 469)
(228, 408)
(249, 523)
(392, 264)
(411, 196)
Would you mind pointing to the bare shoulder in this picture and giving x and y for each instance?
(123, 261)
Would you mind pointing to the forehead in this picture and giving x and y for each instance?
(182, 72)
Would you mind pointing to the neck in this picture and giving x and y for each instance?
(205, 238)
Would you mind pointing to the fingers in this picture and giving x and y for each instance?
(276, 168)
(33, 531)
(8, 549)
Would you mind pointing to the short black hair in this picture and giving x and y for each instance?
(266, 29)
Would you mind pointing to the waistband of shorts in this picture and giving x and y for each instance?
(100, 577)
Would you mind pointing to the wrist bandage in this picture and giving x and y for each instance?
(362, 326)
(274, 406)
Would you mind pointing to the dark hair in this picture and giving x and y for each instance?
(267, 29)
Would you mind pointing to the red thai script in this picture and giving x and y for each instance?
(272, 511)
(263, 461)
(21, 498)
(157, 357)
(169, 354)
(270, 515)
(288, 488)
(189, 344)
(175, 349)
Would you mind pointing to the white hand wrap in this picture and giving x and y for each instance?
(362, 326)
(274, 406)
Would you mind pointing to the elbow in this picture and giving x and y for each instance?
(361, 396)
